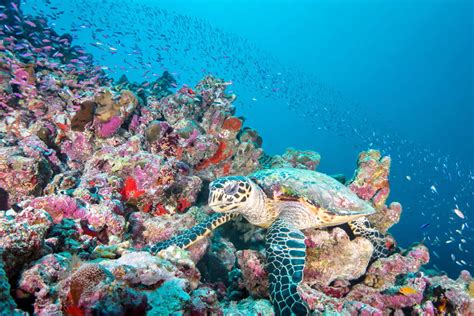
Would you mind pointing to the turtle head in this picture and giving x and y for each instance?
(230, 194)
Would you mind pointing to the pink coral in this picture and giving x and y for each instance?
(255, 278)
(40, 280)
(385, 270)
(22, 77)
(58, 207)
(371, 178)
(109, 128)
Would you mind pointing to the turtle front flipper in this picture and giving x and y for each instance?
(286, 254)
(195, 233)
(362, 227)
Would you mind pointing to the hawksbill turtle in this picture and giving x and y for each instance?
(285, 201)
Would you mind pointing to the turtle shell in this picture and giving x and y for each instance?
(314, 188)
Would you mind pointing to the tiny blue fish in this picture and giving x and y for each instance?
(424, 226)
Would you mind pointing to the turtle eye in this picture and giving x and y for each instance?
(231, 189)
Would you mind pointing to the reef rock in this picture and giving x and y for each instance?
(249, 307)
(332, 255)
(382, 274)
(22, 176)
(370, 181)
(255, 278)
(292, 158)
(22, 237)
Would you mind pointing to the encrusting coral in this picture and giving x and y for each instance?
(92, 171)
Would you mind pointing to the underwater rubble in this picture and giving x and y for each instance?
(94, 170)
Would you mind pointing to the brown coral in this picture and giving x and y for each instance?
(153, 131)
(83, 281)
(83, 116)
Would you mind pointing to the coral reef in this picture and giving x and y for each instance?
(292, 158)
(370, 181)
(93, 171)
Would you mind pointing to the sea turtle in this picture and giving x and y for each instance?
(285, 201)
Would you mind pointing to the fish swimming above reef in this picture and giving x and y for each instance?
(424, 226)
(407, 290)
(459, 213)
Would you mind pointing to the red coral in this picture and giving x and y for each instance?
(147, 208)
(130, 190)
(183, 204)
(220, 155)
(160, 210)
(226, 168)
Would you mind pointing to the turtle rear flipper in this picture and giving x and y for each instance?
(362, 227)
(286, 254)
(195, 233)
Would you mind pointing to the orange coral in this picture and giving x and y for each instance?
(179, 152)
(232, 123)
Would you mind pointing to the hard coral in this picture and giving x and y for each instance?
(370, 181)
(84, 116)
(323, 267)
(232, 124)
(292, 158)
(22, 176)
(255, 278)
(22, 238)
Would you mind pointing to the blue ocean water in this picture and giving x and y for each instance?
(334, 77)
